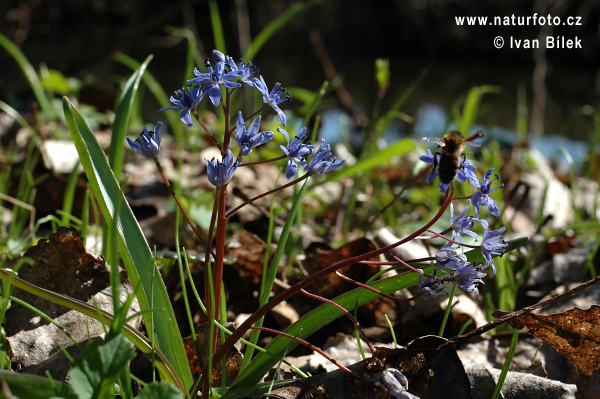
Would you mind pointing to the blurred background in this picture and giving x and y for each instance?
(79, 40)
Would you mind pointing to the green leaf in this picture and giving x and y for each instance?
(159, 93)
(122, 114)
(465, 120)
(160, 390)
(326, 313)
(139, 262)
(375, 159)
(29, 72)
(94, 374)
(35, 387)
(269, 30)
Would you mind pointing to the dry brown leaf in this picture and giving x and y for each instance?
(574, 333)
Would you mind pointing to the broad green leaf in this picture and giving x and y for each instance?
(375, 159)
(35, 387)
(315, 320)
(137, 257)
(326, 313)
(93, 375)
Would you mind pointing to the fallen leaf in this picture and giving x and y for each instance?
(574, 333)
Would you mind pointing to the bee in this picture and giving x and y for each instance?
(451, 158)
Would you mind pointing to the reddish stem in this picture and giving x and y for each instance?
(319, 351)
(375, 290)
(340, 307)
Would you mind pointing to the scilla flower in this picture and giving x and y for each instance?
(277, 95)
(148, 144)
(468, 277)
(248, 69)
(482, 197)
(187, 100)
(217, 77)
(296, 151)
(492, 244)
(394, 382)
(322, 161)
(220, 173)
(461, 223)
(251, 137)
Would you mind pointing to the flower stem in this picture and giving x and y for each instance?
(237, 208)
(211, 137)
(319, 351)
(183, 212)
(279, 158)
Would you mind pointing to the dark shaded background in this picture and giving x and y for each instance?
(79, 37)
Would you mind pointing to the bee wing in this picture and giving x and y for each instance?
(438, 140)
(473, 144)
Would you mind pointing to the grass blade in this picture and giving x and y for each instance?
(30, 74)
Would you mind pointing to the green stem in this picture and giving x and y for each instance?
(447, 312)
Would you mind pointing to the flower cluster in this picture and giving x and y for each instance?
(452, 264)
(224, 74)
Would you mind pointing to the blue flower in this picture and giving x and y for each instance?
(429, 158)
(217, 77)
(482, 197)
(467, 278)
(220, 173)
(296, 151)
(447, 257)
(148, 144)
(248, 69)
(187, 100)
(277, 95)
(431, 287)
(461, 223)
(394, 382)
(467, 172)
(492, 244)
(251, 137)
(322, 161)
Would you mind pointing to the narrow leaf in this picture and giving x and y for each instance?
(137, 257)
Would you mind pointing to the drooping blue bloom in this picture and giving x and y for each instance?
(296, 151)
(492, 244)
(447, 257)
(217, 77)
(482, 197)
(248, 69)
(251, 137)
(220, 173)
(186, 99)
(461, 223)
(148, 144)
(322, 161)
(277, 95)
(431, 287)
(394, 382)
(467, 277)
